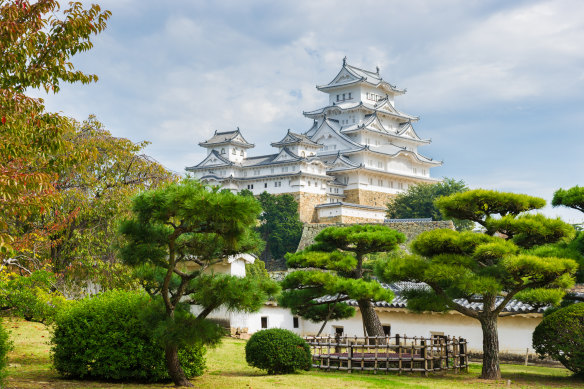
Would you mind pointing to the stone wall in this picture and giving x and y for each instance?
(368, 197)
(410, 229)
(306, 204)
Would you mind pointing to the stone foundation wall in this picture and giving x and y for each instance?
(410, 229)
(368, 197)
(306, 204)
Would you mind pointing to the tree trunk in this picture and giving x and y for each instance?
(491, 370)
(174, 369)
(370, 318)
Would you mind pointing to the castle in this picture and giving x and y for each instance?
(358, 154)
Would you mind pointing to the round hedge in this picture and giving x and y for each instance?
(560, 336)
(103, 337)
(278, 351)
(5, 346)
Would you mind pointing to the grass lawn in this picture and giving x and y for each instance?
(30, 367)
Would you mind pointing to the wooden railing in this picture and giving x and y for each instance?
(399, 354)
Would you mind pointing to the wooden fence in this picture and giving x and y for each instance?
(384, 354)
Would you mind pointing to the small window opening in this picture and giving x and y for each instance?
(264, 322)
(295, 322)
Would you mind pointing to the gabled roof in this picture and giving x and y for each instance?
(383, 108)
(342, 163)
(284, 156)
(407, 130)
(331, 127)
(227, 137)
(350, 74)
(292, 138)
(214, 159)
(373, 123)
(394, 151)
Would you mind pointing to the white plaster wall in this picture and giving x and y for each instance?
(514, 332)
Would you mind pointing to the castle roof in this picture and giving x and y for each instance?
(350, 75)
(292, 138)
(227, 137)
(382, 106)
(373, 124)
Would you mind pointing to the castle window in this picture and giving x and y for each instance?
(387, 330)
(284, 169)
(338, 98)
(380, 182)
(379, 164)
(222, 151)
(265, 184)
(264, 321)
(234, 151)
(391, 184)
(371, 181)
(350, 96)
(295, 322)
(241, 153)
(343, 97)
(272, 170)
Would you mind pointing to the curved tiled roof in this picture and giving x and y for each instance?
(360, 76)
(399, 301)
(226, 137)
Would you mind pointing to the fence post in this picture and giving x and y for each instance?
(350, 357)
(456, 355)
(424, 354)
(375, 363)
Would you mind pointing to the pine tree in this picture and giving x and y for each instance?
(335, 269)
(177, 233)
(491, 268)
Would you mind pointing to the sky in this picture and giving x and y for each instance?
(498, 85)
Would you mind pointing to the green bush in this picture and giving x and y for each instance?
(5, 346)
(560, 336)
(104, 337)
(278, 351)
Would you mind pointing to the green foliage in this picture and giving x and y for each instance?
(256, 269)
(280, 224)
(278, 351)
(32, 297)
(179, 232)
(532, 230)
(105, 337)
(37, 42)
(490, 269)
(418, 202)
(573, 249)
(334, 269)
(573, 198)
(480, 205)
(5, 346)
(560, 336)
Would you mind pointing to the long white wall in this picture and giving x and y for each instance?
(514, 332)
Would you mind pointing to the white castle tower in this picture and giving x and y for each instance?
(359, 153)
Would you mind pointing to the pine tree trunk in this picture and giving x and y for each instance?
(491, 370)
(174, 369)
(370, 318)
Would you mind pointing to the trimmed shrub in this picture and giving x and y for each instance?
(104, 337)
(278, 351)
(560, 335)
(5, 346)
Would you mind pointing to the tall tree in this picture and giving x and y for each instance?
(280, 224)
(335, 269)
(491, 268)
(36, 44)
(177, 233)
(418, 202)
(572, 198)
